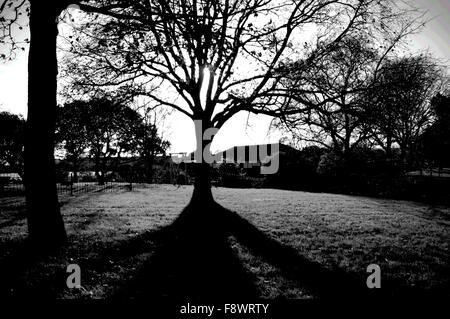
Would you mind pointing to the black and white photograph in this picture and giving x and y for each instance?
(225, 158)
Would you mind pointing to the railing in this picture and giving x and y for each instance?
(12, 190)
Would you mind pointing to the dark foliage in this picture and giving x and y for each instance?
(12, 134)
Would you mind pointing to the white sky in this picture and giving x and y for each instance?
(435, 38)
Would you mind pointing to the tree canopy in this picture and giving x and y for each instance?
(398, 106)
(216, 58)
(104, 129)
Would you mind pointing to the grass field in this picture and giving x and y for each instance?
(409, 241)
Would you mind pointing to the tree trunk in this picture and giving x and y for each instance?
(149, 163)
(403, 156)
(75, 165)
(100, 178)
(99, 171)
(389, 147)
(202, 184)
(45, 223)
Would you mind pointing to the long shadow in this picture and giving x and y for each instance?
(321, 281)
(195, 261)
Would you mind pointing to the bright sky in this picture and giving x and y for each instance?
(435, 38)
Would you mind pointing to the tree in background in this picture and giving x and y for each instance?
(12, 129)
(338, 77)
(398, 105)
(105, 130)
(72, 133)
(436, 139)
(112, 128)
(150, 144)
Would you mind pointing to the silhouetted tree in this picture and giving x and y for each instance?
(436, 139)
(101, 128)
(209, 59)
(398, 105)
(150, 144)
(111, 132)
(45, 224)
(337, 77)
(72, 133)
(104, 130)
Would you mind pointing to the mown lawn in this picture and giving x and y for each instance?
(409, 241)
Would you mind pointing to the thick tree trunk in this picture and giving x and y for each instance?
(202, 184)
(45, 223)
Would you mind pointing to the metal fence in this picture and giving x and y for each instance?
(11, 184)
(12, 190)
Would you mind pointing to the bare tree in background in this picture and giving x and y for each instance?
(399, 103)
(339, 77)
(336, 78)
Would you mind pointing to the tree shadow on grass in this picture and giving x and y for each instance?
(194, 261)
